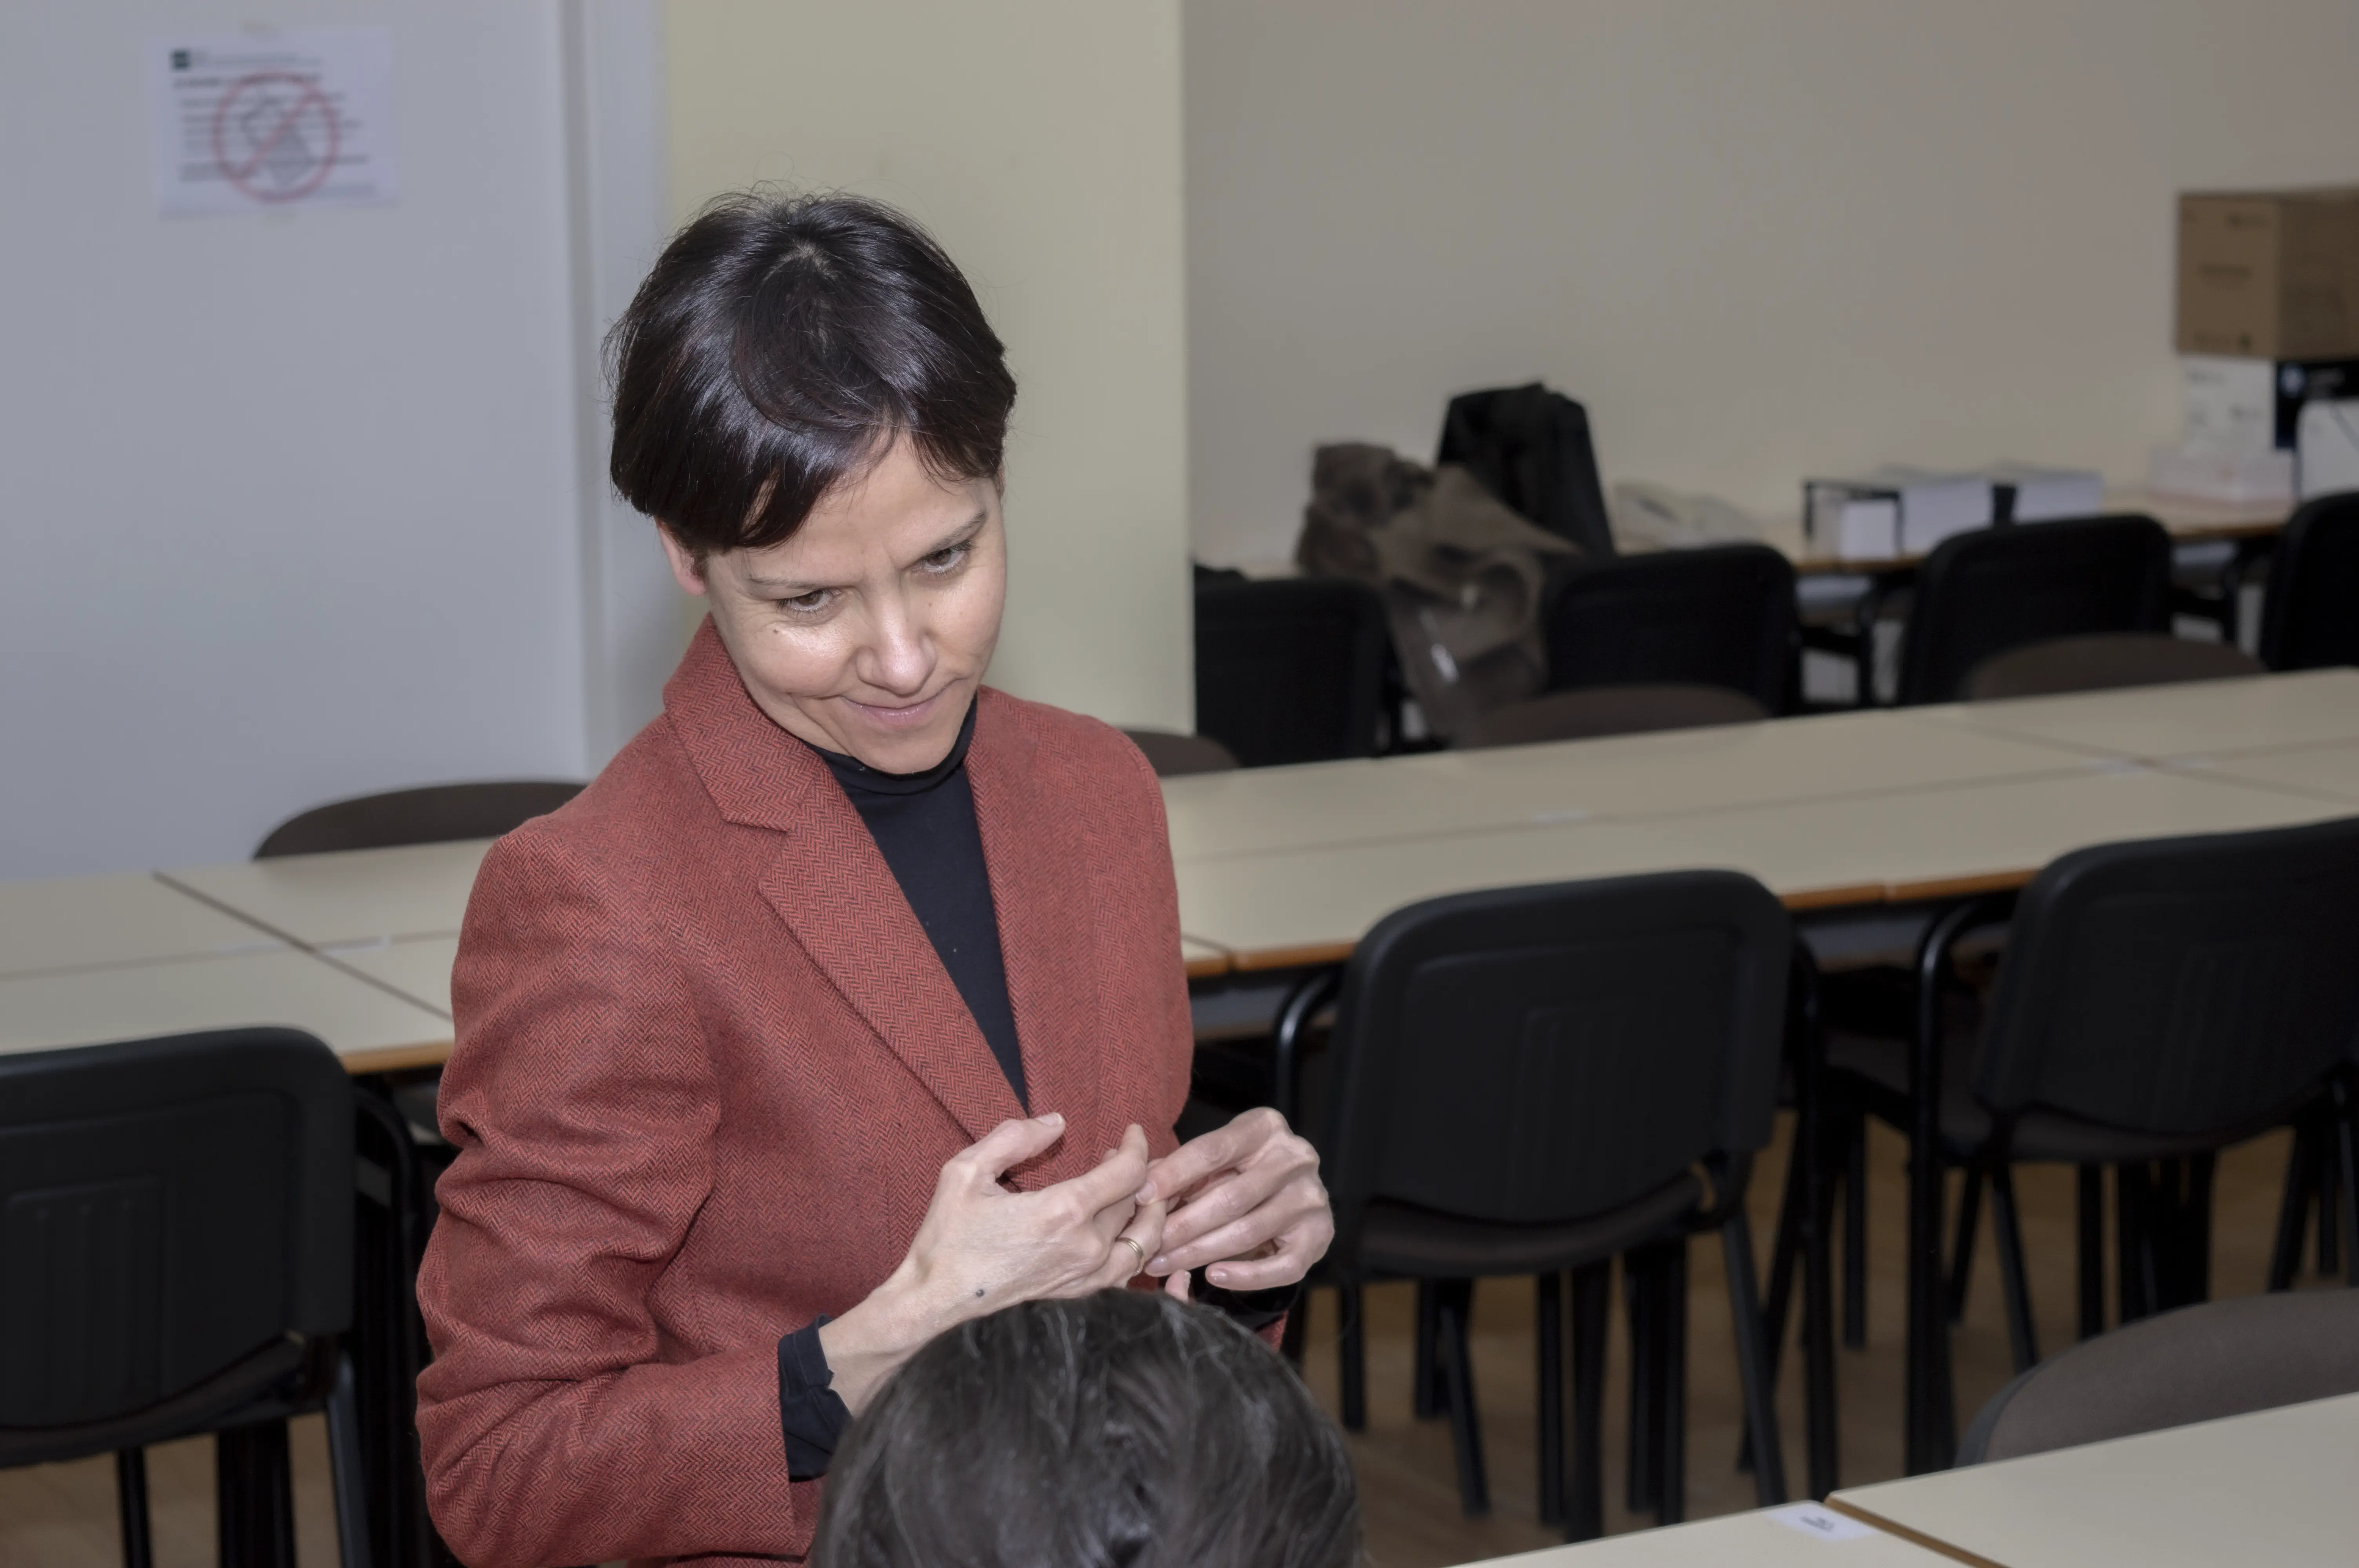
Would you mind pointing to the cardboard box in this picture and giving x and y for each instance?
(2269, 274)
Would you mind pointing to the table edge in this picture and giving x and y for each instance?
(1913, 1537)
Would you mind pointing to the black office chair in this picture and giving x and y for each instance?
(2098, 661)
(2309, 615)
(1996, 588)
(1291, 669)
(1532, 1080)
(1530, 447)
(437, 814)
(177, 1259)
(1593, 710)
(1173, 755)
(2158, 1001)
(1722, 616)
(2198, 1363)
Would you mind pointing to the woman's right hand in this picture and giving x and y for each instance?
(982, 1246)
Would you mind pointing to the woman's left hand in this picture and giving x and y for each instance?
(1247, 1206)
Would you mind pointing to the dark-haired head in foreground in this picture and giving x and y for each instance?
(1122, 1430)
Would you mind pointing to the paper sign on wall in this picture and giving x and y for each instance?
(273, 121)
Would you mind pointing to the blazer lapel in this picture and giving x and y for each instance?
(830, 886)
(1040, 885)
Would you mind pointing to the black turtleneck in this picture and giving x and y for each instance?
(924, 824)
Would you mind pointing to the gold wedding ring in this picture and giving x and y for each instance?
(1133, 1244)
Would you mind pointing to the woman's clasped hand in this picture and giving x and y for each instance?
(1245, 1205)
(982, 1246)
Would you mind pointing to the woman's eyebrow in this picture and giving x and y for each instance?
(960, 535)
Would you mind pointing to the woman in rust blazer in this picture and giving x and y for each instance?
(846, 1003)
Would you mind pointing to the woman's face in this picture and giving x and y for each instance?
(867, 632)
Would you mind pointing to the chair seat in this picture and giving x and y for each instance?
(1880, 1067)
(1403, 1239)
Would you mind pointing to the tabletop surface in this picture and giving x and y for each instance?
(2187, 519)
(417, 967)
(2274, 1486)
(356, 896)
(1379, 799)
(81, 923)
(2194, 720)
(88, 1007)
(2330, 770)
(1800, 1535)
(1810, 853)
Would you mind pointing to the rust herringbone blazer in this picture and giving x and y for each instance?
(708, 1068)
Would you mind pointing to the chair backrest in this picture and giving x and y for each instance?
(1530, 447)
(1291, 669)
(1547, 1053)
(2198, 1363)
(437, 814)
(1608, 710)
(2309, 616)
(2196, 985)
(1721, 616)
(1996, 588)
(168, 1208)
(1173, 755)
(2097, 661)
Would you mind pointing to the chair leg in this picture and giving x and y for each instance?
(1671, 1378)
(1592, 1300)
(1753, 1363)
(2022, 1336)
(1352, 1355)
(1641, 1293)
(2090, 1184)
(348, 1466)
(1547, 1317)
(1426, 1397)
(1854, 1278)
(2346, 1142)
(2328, 1232)
(1962, 1250)
(254, 1496)
(131, 1507)
(1454, 1304)
(1785, 1250)
(2134, 1262)
(2293, 1207)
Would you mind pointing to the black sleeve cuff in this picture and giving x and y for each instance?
(1255, 1310)
(812, 1413)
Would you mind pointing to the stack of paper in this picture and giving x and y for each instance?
(2030, 494)
(1894, 511)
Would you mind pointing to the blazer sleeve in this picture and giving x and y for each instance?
(555, 1426)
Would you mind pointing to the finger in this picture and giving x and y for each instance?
(1281, 1268)
(1009, 1144)
(1227, 1200)
(1216, 1151)
(1116, 1179)
(1175, 1287)
(1299, 1201)
(1127, 1249)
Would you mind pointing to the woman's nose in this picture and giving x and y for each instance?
(898, 656)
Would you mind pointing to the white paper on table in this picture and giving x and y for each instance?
(272, 121)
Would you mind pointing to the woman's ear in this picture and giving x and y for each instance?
(686, 567)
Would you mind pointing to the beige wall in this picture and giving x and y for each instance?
(1040, 141)
(1758, 240)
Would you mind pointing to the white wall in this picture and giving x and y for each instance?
(1040, 141)
(1758, 241)
(290, 503)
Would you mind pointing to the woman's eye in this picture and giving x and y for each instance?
(943, 560)
(817, 599)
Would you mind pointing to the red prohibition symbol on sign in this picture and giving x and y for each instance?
(274, 136)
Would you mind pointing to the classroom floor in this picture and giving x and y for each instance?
(62, 1516)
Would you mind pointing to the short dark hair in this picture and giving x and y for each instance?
(778, 348)
(1122, 1430)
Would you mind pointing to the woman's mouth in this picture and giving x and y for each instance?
(914, 714)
